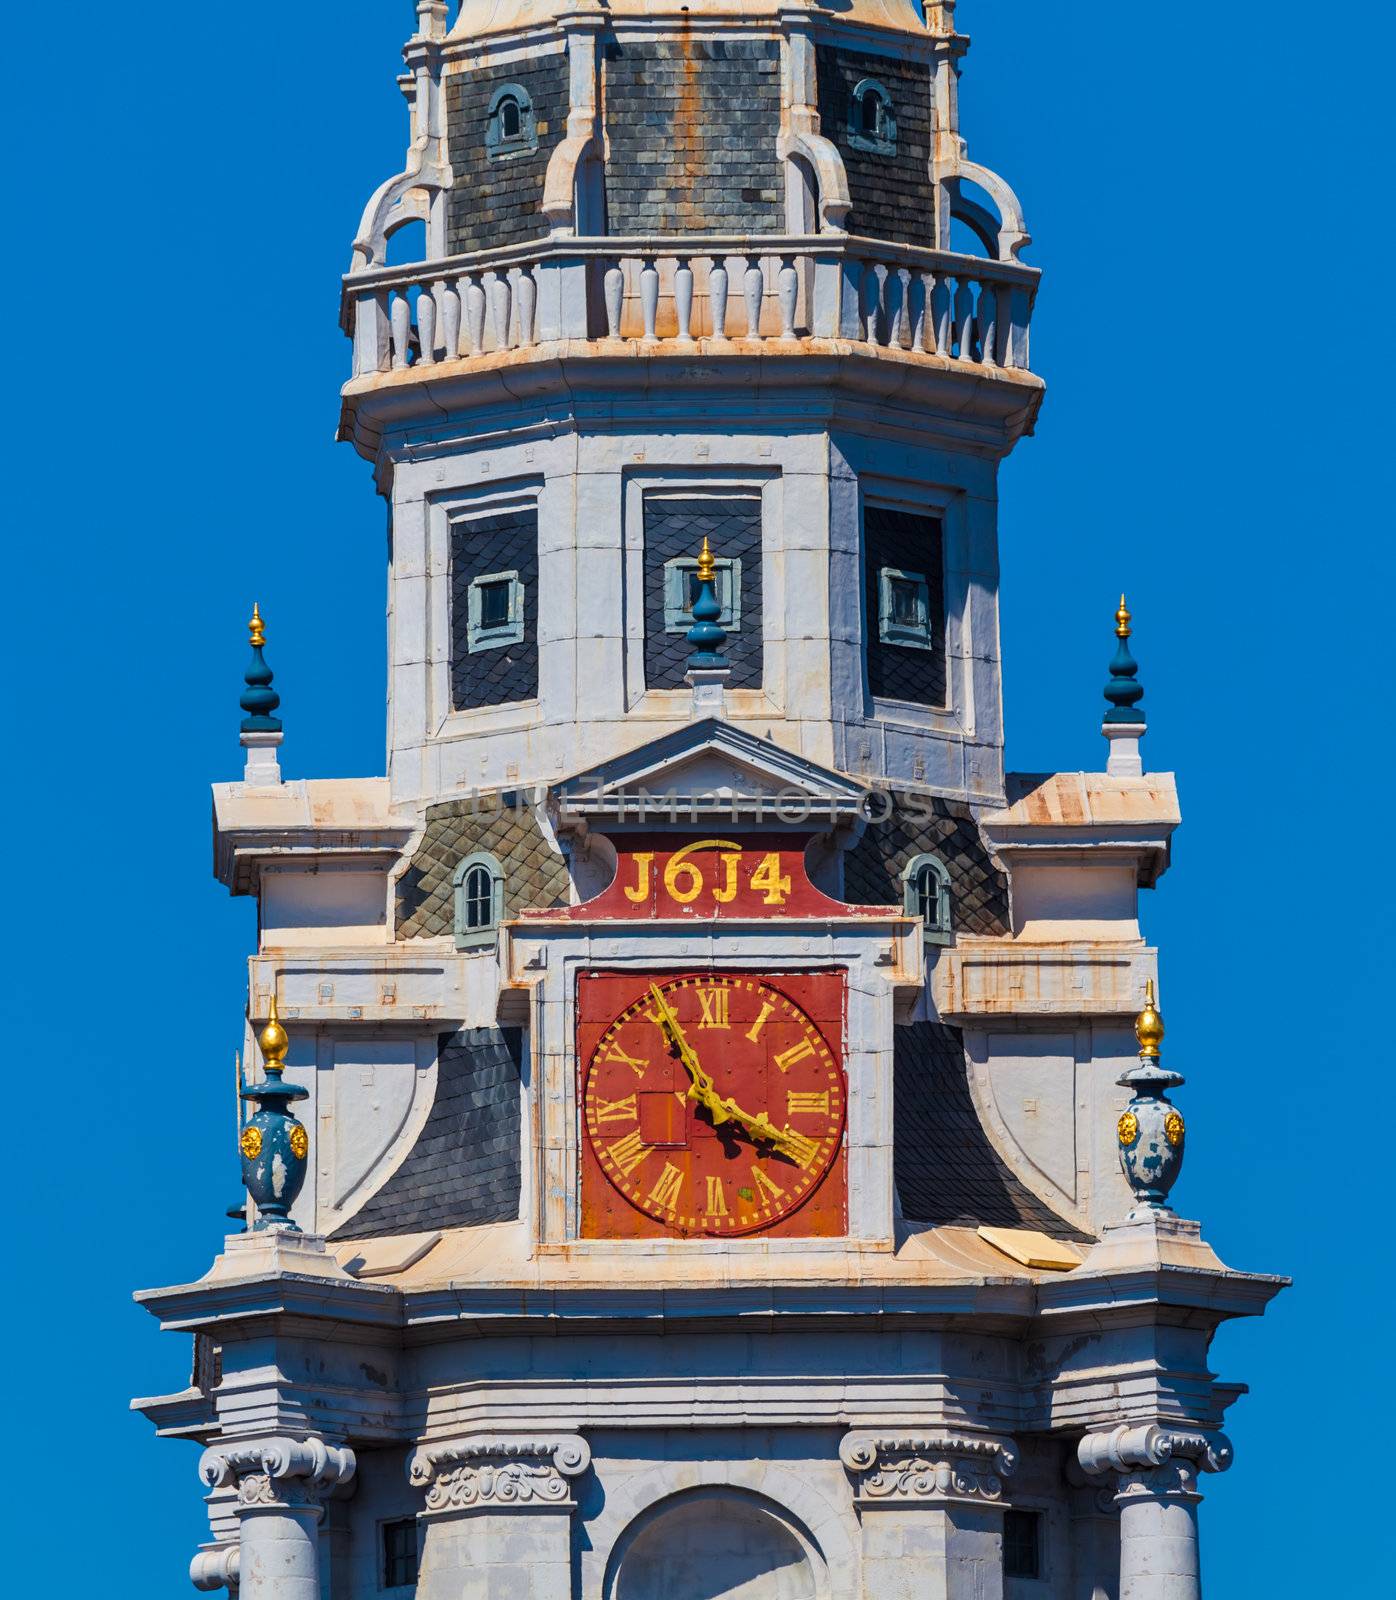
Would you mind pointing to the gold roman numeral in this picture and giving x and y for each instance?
(717, 1201)
(810, 1100)
(615, 1053)
(665, 1193)
(714, 1003)
(767, 1185)
(753, 1033)
(798, 1147)
(617, 1110)
(794, 1055)
(629, 1152)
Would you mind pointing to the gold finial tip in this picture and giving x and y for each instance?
(1122, 619)
(707, 566)
(273, 1040)
(1148, 1025)
(256, 628)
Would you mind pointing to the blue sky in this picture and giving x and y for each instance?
(1206, 188)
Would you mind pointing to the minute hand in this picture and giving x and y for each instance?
(759, 1126)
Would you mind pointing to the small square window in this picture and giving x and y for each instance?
(904, 609)
(400, 1553)
(1022, 1544)
(496, 611)
(681, 590)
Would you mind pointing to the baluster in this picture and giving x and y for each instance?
(753, 291)
(613, 285)
(870, 301)
(426, 328)
(940, 314)
(450, 321)
(787, 292)
(649, 295)
(964, 318)
(475, 314)
(987, 323)
(402, 332)
(919, 308)
(717, 296)
(894, 295)
(683, 298)
(528, 304)
(501, 299)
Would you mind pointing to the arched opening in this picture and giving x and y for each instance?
(509, 118)
(714, 1544)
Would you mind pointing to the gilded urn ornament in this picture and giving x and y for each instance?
(1150, 1131)
(273, 1143)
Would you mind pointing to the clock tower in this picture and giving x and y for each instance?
(704, 1128)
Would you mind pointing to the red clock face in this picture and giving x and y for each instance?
(711, 1104)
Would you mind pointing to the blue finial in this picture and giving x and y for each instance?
(1123, 693)
(259, 699)
(706, 636)
(273, 1143)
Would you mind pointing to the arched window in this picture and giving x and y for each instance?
(510, 129)
(479, 886)
(926, 887)
(871, 124)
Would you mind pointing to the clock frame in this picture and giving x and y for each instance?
(711, 1104)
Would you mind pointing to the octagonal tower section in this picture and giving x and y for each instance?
(722, 269)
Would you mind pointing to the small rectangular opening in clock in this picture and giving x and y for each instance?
(663, 1119)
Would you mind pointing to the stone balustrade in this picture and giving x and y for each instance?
(665, 292)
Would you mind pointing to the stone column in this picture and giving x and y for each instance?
(1155, 1471)
(499, 1516)
(280, 1486)
(931, 1509)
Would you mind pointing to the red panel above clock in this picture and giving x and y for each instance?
(707, 877)
(711, 1104)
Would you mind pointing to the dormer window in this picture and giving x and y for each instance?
(479, 886)
(871, 124)
(904, 608)
(496, 611)
(511, 129)
(926, 886)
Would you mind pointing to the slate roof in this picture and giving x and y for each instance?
(925, 823)
(946, 1170)
(465, 1166)
(534, 874)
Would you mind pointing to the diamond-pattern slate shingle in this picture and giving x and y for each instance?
(504, 542)
(872, 870)
(534, 874)
(910, 543)
(464, 1169)
(946, 1170)
(675, 526)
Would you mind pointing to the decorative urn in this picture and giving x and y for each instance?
(274, 1145)
(1151, 1131)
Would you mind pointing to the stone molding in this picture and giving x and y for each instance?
(216, 1569)
(499, 1473)
(927, 1469)
(278, 1474)
(1154, 1462)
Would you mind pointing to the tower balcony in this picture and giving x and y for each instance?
(945, 317)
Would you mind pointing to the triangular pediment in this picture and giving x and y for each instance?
(706, 767)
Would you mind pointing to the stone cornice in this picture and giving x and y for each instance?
(278, 1473)
(927, 1468)
(499, 1472)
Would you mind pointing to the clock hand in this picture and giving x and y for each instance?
(702, 1088)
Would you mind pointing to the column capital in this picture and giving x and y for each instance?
(499, 1472)
(216, 1568)
(1151, 1460)
(277, 1473)
(928, 1468)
